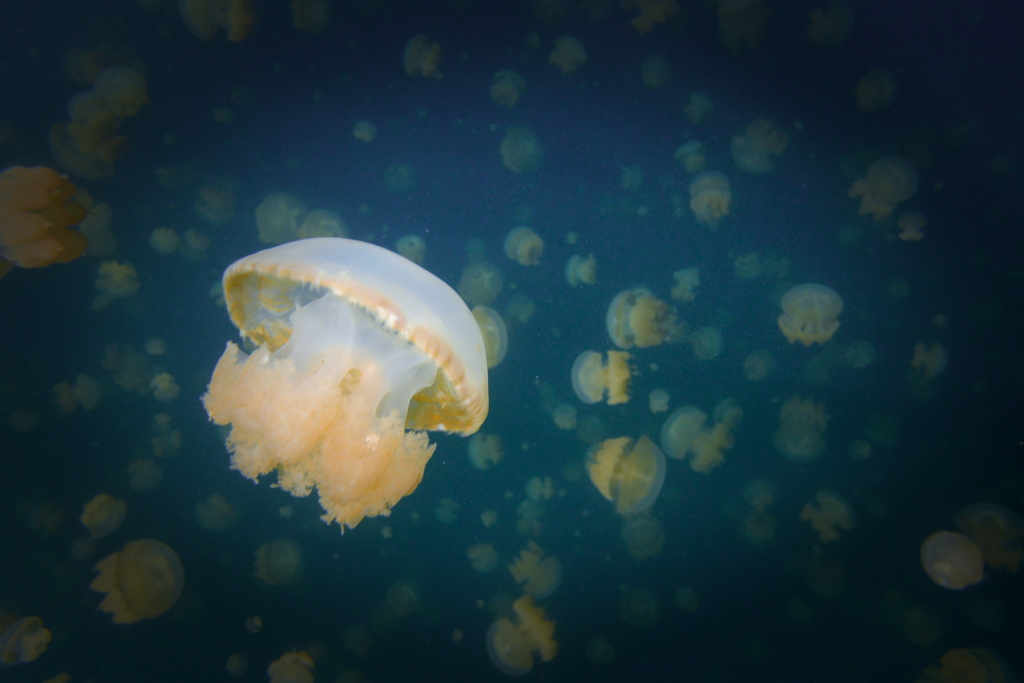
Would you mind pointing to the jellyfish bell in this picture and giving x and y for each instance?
(494, 332)
(638, 318)
(141, 581)
(810, 313)
(355, 346)
(627, 472)
(952, 560)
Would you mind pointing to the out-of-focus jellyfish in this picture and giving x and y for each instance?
(115, 281)
(629, 473)
(687, 280)
(758, 527)
(758, 365)
(322, 223)
(758, 148)
(657, 401)
(594, 379)
(144, 475)
(356, 345)
(681, 429)
(214, 513)
(860, 354)
(917, 623)
(23, 641)
(165, 389)
(279, 563)
(568, 54)
(279, 216)
(538, 489)
(639, 607)
(422, 57)
(692, 156)
(480, 283)
(759, 494)
(708, 449)
(447, 511)
(952, 560)
(564, 416)
(580, 270)
(85, 392)
(521, 149)
(802, 424)
(511, 645)
(742, 24)
(204, 18)
(875, 91)
(710, 194)
(485, 450)
(507, 87)
(824, 575)
(930, 361)
(650, 12)
(530, 518)
(996, 531)
(706, 343)
(364, 130)
(888, 181)
(810, 314)
(524, 246)
(494, 332)
(643, 535)
(311, 16)
(687, 598)
(36, 215)
(237, 664)
(399, 178)
(655, 72)
(291, 667)
(103, 515)
(699, 108)
(600, 650)
(412, 247)
(254, 624)
(520, 308)
(96, 226)
(968, 664)
(830, 24)
(489, 518)
(538, 575)
(831, 514)
(638, 318)
(911, 225)
(216, 203)
(483, 557)
(402, 598)
(141, 581)
(163, 240)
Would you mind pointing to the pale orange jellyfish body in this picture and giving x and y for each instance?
(511, 645)
(831, 514)
(422, 57)
(35, 218)
(594, 379)
(888, 181)
(638, 318)
(355, 346)
(495, 334)
(103, 515)
(568, 54)
(997, 531)
(23, 641)
(802, 425)
(142, 581)
(757, 149)
(810, 314)
(952, 560)
(710, 194)
(524, 246)
(628, 473)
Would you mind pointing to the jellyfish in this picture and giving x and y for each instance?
(580, 270)
(681, 429)
(692, 156)
(568, 54)
(758, 148)
(204, 18)
(860, 354)
(650, 12)
(600, 650)
(144, 475)
(594, 379)
(638, 318)
(710, 195)
(758, 365)
(216, 203)
(639, 607)
(888, 181)
(279, 563)
(485, 450)
(279, 216)
(564, 416)
(103, 515)
(643, 535)
(742, 24)
(629, 473)
(115, 281)
(447, 511)
(215, 514)
(710, 444)
(706, 343)
(758, 527)
(84, 392)
(875, 91)
(36, 215)
(163, 241)
(687, 280)
(322, 223)
(524, 246)
(657, 401)
(364, 130)
(141, 581)
(494, 332)
(831, 514)
(521, 150)
(930, 361)
(23, 641)
(483, 557)
(952, 560)
(911, 225)
(655, 72)
(291, 667)
(412, 247)
(968, 664)
(96, 226)
(480, 283)
(165, 389)
(311, 16)
(422, 57)
(699, 108)
(810, 314)
(511, 645)
(998, 533)
(830, 24)
(538, 489)
(359, 351)
(538, 575)
(801, 426)
(507, 87)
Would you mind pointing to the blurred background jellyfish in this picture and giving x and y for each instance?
(23, 641)
(952, 560)
(511, 645)
(810, 314)
(802, 424)
(103, 515)
(494, 332)
(524, 246)
(594, 379)
(628, 473)
(888, 181)
(36, 215)
(638, 318)
(141, 581)
(279, 563)
(328, 313)
(538, 575)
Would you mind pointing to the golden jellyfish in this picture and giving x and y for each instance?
(85, 392)
(524, 246)
(699, 108)
(115, 281)
(236, 665)
(564, 416)
(680, 431)
(600, 650)
(810, 313)
(997, 531)
(581, 271)
(322, 223)
(494, 332)
(650, 12)
(36, 213)
(930, 361)
(692, 156)
(710, 195)
(657, 401)
(968, 665)
(875, 91)
(710, 444)
(638, 318)
(706, 343)
(291, 667)
(594, 379)
(888, 181)
(538, 575)
(422, 57)
(412, 247)
(216, 203)
(103, 515)
(360, 351)
(485, 450)
(758, 148)
(163, 240)
(480, 283)
(23, 641)
(568, 54)
(687, 280)
(759, 494)
(489, 518)
(279, 216)
(141, 581)
(279, 563)
(758, 365)
(860, 354)
(643, 535)
(655, 72)
(538, 489)
(447, 511)
(830, 24)
(96, 226)
(311, 16)
(520, 308)
(511, 645)
(831, 514)
(402, 598)
(507, 87)
(215, 514)
(165, 389)
(364, 130)
(483, 557)
(911, 225)
(144, 475)
(639, 607)
(952, 560)
(204, 18)
(802, 424)
(521, 150)
(742, 24)
(757, 528)
(627, 472)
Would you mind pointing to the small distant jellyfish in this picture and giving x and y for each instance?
(952, 560)
(103, 515)
(580, 270)
(364, 130)
(164, 387)
(23, 641)
(568, 54)
(412, 247)
(141, 581)
(524, 246)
